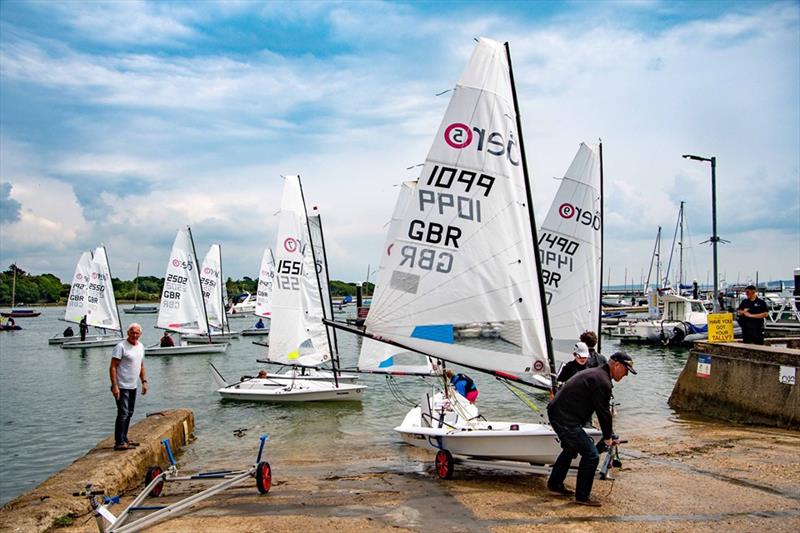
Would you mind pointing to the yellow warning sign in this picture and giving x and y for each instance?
(720, 327)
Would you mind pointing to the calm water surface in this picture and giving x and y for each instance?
(55, 404)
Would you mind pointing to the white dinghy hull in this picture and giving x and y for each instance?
(99, 342)
(297, 390)
(186, 350)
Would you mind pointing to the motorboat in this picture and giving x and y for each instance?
(243, 306)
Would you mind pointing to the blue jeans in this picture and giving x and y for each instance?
(574, 441)
(125, 406)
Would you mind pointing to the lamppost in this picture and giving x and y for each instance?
(714, 237)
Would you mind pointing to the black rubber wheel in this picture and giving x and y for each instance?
(444, 464)
(263, 477)
(152, 473)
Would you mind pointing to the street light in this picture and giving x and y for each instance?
(714, 237)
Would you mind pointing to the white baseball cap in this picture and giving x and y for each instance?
(581, 350)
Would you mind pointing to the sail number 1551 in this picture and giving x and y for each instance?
(287, 274)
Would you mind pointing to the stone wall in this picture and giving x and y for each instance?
(106, 469)
(742, 386)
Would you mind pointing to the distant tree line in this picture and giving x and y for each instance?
(47, 288)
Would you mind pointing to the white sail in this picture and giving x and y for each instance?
(465, 251)
(76, 302)
(211, 281)
(266, 279)
(570, 250)
(297, 334)
(182, 298)
(318, 242)
(380, 357)
(101, 306)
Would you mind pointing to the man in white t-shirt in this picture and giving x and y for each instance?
(127, 367)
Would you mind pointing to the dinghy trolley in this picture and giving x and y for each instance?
(154, 482)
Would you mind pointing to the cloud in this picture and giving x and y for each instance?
(9, 208)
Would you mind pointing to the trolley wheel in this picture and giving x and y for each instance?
(444, 464)
(263, 477)
(152, 473)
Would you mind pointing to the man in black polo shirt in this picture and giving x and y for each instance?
(585, 393)
(752, 312)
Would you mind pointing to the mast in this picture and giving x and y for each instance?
(328, 284)
(529, 194)
(110, 280)
(200, 283)
(221, 298)
(600, 285)
(680, 255)
(14, 287)
(334, 358)
(136, 284)
(659, 281)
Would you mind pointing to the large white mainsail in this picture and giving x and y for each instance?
(297, 334)
(76, 302)
(380, 357)
(266, 279)
(182, 306)
(465, 250)
(570, 246)
(211, 281)
(101, 306)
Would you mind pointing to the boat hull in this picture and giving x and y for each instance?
(290, 391)
(141, 310)
(215, 337)
(255, 332)
(91, 343)
(19, 313)
(60, 339)
(489, 440)
(186, 350)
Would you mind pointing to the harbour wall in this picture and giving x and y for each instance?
(744, 383)
(106, 469)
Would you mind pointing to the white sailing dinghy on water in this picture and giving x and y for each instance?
(466, 253)
(212, 281)
(297, 335)
(266, 277)
(182, 309)
(101, 307)
(570, 248)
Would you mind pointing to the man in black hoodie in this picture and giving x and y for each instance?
(587, 392)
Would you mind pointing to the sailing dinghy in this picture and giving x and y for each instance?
(300, 301)
(266, 277)
(212, 281)
(100, 307)
(182, 307)
(466, 253)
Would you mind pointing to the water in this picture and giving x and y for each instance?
(55, 405)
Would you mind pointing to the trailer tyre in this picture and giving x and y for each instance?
(444, 464)
(152, 473)
(263, 477)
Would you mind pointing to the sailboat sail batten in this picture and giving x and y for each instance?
(182, 307)
(570, 250)
(461, 254)
(101, 306)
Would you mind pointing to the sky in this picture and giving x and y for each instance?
(122, 121)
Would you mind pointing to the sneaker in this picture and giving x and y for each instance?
(561, 489)
(591, 502)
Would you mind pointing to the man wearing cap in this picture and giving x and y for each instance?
(587, 392)
(752, 312)
(581, 355)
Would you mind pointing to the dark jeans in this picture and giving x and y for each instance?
(752, 335)
(574, 441)
(125, 406)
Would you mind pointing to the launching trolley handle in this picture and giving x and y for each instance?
(611, 458)
(165, 442)
(263, 438)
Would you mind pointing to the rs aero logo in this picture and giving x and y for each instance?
(569, 211)
(460, 136)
